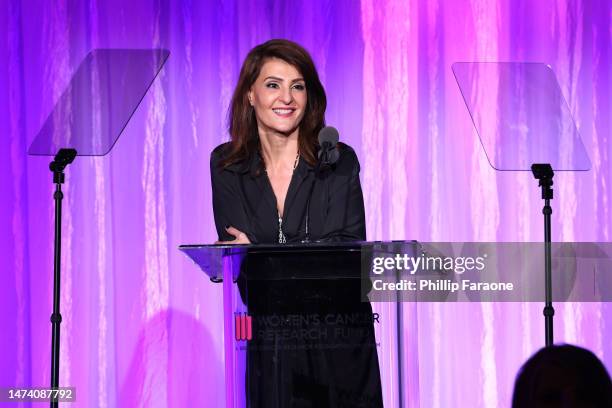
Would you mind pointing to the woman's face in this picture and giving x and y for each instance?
(278, 97)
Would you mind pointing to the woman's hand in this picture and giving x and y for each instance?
(240, 237)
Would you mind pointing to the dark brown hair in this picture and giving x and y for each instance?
(242, 120)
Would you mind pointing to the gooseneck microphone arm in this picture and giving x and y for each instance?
(328, 154)
(317, 170)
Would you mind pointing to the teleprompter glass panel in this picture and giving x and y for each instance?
(520, 115)
(100, 99)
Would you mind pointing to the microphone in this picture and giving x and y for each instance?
(328, 140)
(328, 155)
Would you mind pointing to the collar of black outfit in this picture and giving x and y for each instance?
(255, 166)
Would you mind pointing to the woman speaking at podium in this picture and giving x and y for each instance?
(261, 180)
(264, 192)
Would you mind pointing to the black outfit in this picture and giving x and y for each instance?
(334, 371)
(243, 198)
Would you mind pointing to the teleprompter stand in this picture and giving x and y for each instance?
(62, 159)
(544, 173)
(89, 117)
(524, 123)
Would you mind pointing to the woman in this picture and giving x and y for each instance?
(262, 181)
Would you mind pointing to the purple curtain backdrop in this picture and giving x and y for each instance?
(142, 326)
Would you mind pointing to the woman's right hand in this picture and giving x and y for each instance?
(240, 237)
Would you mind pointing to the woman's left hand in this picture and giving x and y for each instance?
(241, 237)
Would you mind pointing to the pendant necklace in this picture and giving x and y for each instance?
(281, 235)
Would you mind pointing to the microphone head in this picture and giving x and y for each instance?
(330, 135)
(328, 140)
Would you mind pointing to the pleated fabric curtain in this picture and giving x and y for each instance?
(142, 325)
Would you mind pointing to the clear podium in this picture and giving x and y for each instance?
(297, 331)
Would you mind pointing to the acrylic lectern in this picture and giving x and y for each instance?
(298, 329)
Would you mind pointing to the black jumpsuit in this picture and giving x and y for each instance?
(286, 368)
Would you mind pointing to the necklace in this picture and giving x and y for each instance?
(295, 163)
(282, 239)
(297, 157)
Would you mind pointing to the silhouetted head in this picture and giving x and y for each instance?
(563, 376)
